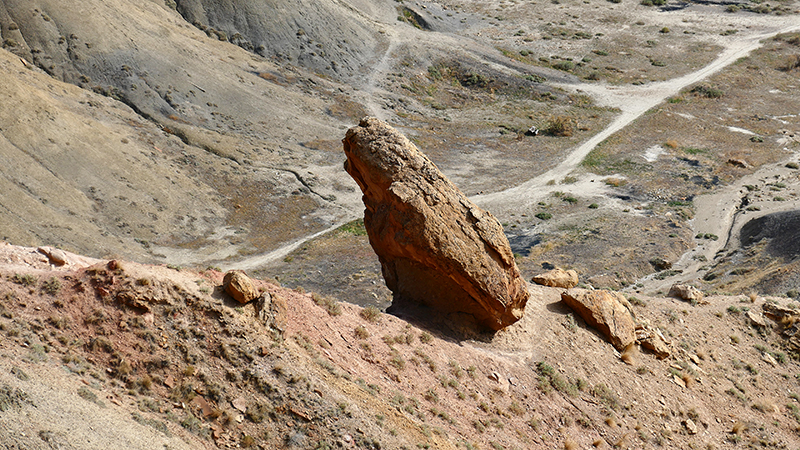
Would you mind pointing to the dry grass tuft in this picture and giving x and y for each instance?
(628, 355)
(569, 444)
(688, 380)
(560, 126)
(622, 442)
(616, 182)
(738, 427)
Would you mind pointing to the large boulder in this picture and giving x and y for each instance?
(435, 246)
(558, 278)
(604, 311)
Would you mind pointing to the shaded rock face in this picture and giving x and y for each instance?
(604, 311)
(435, 246)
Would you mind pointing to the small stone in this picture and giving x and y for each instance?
(204, 406)
(56, 256)
(690, 426)
(685, 292)
(558, 277)
(239, 286)
(738, 163)
(240, 403)
(660, 264)
(756, 319)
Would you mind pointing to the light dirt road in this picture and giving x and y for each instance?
(632, 101)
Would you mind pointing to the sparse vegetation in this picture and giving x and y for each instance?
(331, 305)
(371, 314)
(707, 91)
(560, 126)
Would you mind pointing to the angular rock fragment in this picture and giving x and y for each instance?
(435, 246)
(239, 286)
(691, 427)
(756, 319)
(558, 278)
(652, 339)
(605, 312)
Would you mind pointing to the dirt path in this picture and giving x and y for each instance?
(721, 213)
(633, 101)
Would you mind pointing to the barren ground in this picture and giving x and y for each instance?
(189, 368)
(178, 135)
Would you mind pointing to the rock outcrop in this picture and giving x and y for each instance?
(558, 278)
(435, 246)
(604, 311)
(239, 286)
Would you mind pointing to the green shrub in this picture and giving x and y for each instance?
(566, 66)
(544, 216)
(355, 227)
(707, 91)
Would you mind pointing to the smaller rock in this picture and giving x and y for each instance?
(239, 286)
(263, 308)
(756, 319)
(691, 427)
(660, 264)
(738, 163)
(203, 405)
(56, 256)
(240, 403)
(604, 311)
(558, 277)
(651, 339)
(685, 292)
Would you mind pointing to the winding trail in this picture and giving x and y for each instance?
(633, 101)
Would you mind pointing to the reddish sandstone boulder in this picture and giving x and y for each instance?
(435, 246)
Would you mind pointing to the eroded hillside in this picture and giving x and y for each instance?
(97, 353)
